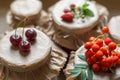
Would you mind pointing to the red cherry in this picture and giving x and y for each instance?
(99, 42)
(112, 46)
(90, 61)
(107, 41)
(118, 62)
(88, 45)
(95, 67)
(104, 50)
(89, 53)
(109, 60)
(99, 54)
(105, 29)
(104, 68)
(24, 46)
(102, 61)
(68, 17)
(91, 39)
(95, 47)
(117, 54)
(15, 39)
(66, 10)
(31, 34)
(94, 59)
(115, 58)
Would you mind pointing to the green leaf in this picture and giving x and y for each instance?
(83, 76)
(90, 73)
(83, 66)
(76, 72)
(73, 10)
(82, 57)
(88, 12)
(85, 5)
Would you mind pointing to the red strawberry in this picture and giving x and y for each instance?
(68, 17)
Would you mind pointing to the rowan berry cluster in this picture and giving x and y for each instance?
(102, 53)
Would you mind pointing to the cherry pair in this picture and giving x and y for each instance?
(24, 45)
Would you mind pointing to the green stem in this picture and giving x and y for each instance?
(19, 25)
(100, 36)
(23, 33)
(25, 20)
(16, 32)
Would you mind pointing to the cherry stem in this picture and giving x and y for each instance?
(19, 25)
(24, 21)
(23, 33)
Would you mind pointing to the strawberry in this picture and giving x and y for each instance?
(68, 17)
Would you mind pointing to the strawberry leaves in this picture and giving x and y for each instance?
(86, 12)
(85, 5)
(77, 12)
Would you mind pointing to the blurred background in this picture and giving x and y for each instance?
(112, 5)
